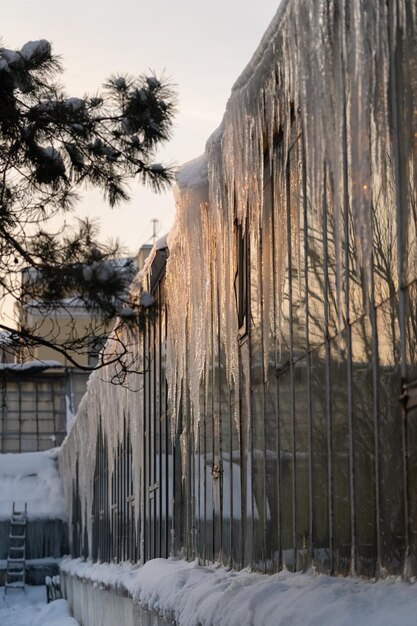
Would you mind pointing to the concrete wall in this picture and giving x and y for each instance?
(94, 605)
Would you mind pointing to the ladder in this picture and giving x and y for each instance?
(16, 559)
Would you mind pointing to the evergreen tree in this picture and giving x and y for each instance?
(51, 146)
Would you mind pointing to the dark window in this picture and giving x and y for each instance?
(241, 280)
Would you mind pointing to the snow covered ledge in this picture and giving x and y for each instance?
(176, 592)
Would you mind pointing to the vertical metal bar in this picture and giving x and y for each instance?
(349, 374)
(276, 314)
(20, 417)
(311, 506)
(162, 483)
(292, 388)
(264, 383)
(328, 378)
(37, 411)
(167, 430)
(205, 468)
(144, 490)
(220, 431)
(213, 433)
(231, 533)
(400, 171)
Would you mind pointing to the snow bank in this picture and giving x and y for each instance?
(212, 595)
(32, 477)
(56, 613)
(30, 609)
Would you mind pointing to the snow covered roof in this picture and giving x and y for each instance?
(7, 338)
(29, 366)
(32, 477)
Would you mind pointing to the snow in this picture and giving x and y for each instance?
(10, 57)
(7, 338)
(147, 299)
(44, 561)
(29, 608)
(75, 104)
(29, 365)
(153, 82)
(193, 173)
(32, 477)
(208, 595)
(52, 153)
(40, 48)
(157, 167)
(161, 243)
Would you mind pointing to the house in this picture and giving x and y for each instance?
(42, 387)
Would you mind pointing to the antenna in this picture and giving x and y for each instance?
(154, 229)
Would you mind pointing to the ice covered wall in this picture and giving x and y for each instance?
(332, 76)
(105, 410)
(341, 76)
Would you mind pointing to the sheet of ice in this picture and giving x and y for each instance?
(29, 608)
(32, 477)
(213, 595)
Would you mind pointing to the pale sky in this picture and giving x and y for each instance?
(202, 46)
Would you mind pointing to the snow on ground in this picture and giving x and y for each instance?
(212, 595)
(32, 477)
(29, 608)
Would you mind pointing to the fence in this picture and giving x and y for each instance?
(272, 423)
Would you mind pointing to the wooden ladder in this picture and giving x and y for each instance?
(16, 559)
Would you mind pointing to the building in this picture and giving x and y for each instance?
(42, 387)
(272, 421)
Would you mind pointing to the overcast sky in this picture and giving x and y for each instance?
(201, 46)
